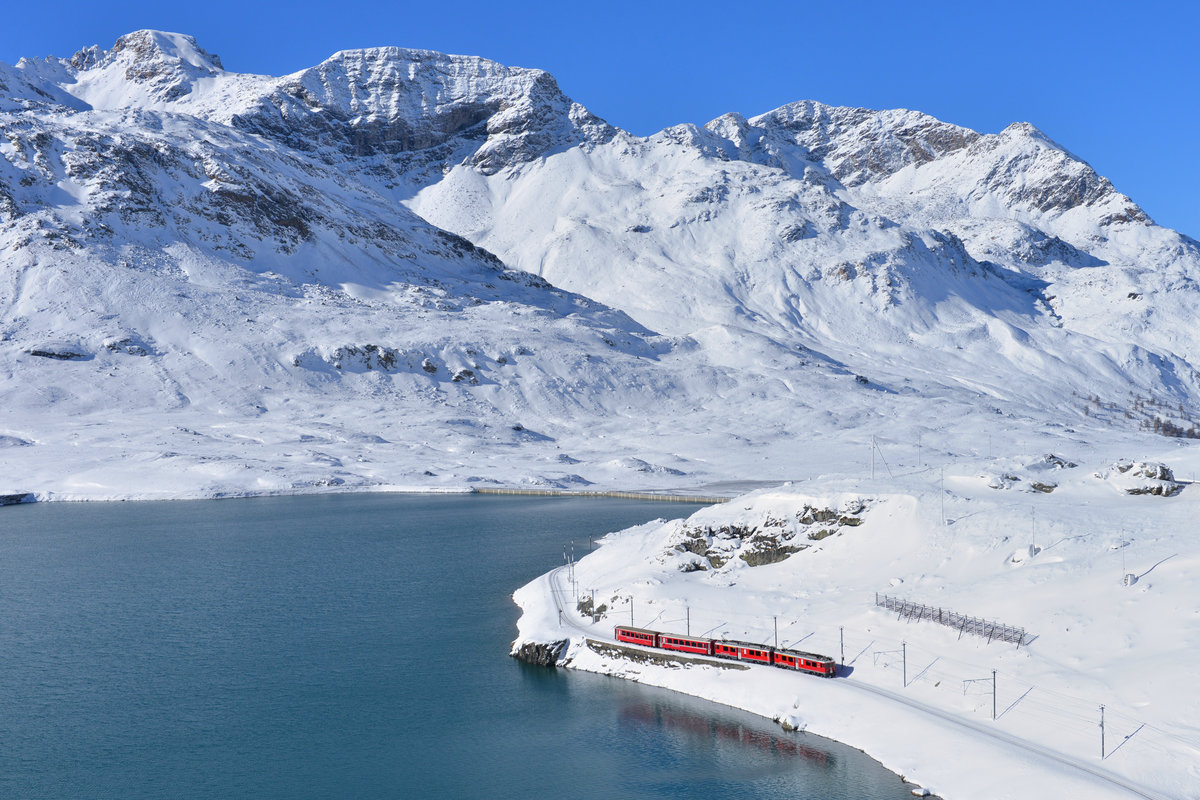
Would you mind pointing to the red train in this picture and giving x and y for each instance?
(722, 648)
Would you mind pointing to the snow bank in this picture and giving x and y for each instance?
(917, 695)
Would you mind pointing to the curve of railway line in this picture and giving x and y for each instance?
(567, 614)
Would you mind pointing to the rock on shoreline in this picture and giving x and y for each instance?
(543, 655)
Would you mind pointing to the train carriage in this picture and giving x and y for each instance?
(758, 653)
(685, 644)
(725, 649)
(785, 659)
(632, 635)
(805, 662)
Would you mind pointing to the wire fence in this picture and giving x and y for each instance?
(992, 631)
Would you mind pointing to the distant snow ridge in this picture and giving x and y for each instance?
(391, 102)
(404, 254)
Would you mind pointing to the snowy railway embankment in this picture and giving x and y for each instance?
(967, 716)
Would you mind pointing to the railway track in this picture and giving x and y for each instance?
(562, 602)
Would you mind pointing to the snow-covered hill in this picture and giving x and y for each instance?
(404, 268)
(1099, 573)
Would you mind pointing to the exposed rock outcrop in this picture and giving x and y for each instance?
(769, 543)
(541, 654)
(1142, 477)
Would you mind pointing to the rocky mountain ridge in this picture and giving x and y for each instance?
(382, 238)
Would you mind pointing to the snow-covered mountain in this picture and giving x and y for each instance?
(404, 268)
(862, 234)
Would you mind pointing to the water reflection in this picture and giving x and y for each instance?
(705, 728)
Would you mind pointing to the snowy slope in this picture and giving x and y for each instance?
(207, 312)
(830, 229)
(1051, 563)
(797, 284)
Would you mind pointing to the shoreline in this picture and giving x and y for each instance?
(1029, 768)
(940, 749)
(663, 497)
(673, 496)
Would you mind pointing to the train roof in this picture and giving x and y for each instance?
(802, 654)
(635, 630)
(689, 637)
(739, 643)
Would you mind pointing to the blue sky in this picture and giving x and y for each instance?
(1118, 84)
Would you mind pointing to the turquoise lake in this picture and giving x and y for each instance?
(343, 646)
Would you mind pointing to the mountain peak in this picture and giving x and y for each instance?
(1027, 130)
(151, 45)
(143, 68)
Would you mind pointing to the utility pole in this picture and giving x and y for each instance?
(593, 606)
(1101, 733)
(904, 662)
(993, 695)
(776, 619)
(842, 636)
(688, 611)
(631, 610)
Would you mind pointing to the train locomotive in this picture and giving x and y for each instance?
(751, 652)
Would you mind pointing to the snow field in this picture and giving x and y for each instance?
(1095, 640)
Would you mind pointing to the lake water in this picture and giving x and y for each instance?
(342, 646)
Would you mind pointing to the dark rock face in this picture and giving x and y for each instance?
(1152, 478)
(859, 144)
(167, 64)
(58, 351)
(543, 655)
(414, 109)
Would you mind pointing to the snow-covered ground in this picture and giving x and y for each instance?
(404, 270)
(1054, 563)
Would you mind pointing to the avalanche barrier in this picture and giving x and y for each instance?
(992, 631)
